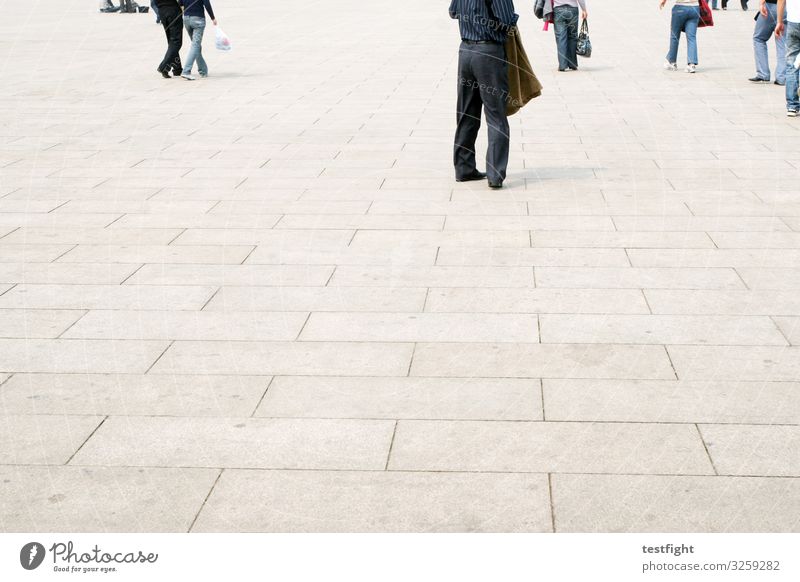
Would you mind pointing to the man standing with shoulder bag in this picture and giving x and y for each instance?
(482, 86)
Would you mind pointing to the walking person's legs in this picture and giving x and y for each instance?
(690, 27)
(764, 28)
(780, 46)
(154, 8)
(194, 28)
(491, 71)
(676, 26)
(468, 115)
(561, 31)
(792, 78)
(172, 21)
(572, 37)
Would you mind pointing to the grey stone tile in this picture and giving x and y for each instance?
(239, 443)
(91, 236)
(541, 361)
(424, 327)
(740, 449)
(358, 221)
(659, 329)
(421, 208)
(57, 220)
(736, 363)
(199, 221)
(253, 275)
(389, 239)
(78, 356)
(189, 325)
(780, 279)
(375, 299)
(637, 278)
(284, 358)
(780, 258)
(428, 398)
(724, 302)
(31, 253)
(279, 240)
(698, 223)
(671, 401)
(67, 274)
(756, 240)
(163, 254)
(132, 395)
(139, 297)
(43, 440)
(31, 323)
(548, 447)
(529, 223)
(672, 504)
(520, 300)
(101, 499)
(519, 257)
(630, 240)
(359, 502)
(343, 256)
(353, 276)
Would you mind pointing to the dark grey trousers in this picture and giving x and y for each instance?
(482, 84)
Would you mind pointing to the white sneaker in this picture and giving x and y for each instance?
(691, 68)
(670, 66)
(791, 113)
(188, 77)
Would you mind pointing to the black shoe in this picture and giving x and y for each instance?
(495, 185)
(758, 80)
(476, 175)
(164, 73)
(177, 74)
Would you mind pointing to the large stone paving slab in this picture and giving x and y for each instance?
(341, 501)
(101, 499)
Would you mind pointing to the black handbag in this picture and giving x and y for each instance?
(584, 43)
(538, 9)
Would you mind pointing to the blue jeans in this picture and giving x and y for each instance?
(764, 29)
(792, 78)
(684, 19)
(195, 26)
(566, 29)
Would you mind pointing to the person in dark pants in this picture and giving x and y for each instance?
(725, 4)
(154, 7)
(565, 24)
(482, 85)
(172, 20)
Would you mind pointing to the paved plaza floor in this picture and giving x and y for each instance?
(259, 302)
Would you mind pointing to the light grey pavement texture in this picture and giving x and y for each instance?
(259, 302)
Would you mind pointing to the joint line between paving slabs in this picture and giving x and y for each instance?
(6, 380)
(671, 363)
(391, 446)
(778, 327)
(136, 270)
(264, 395)
(552, 504)
(646, 302)
(161, 355)
(705, 448)
(541, 397)
(214, 294)
(302, 327)
(78, 450)
(71, 325)
(746, 286)
(202, 505)
(411, 360)
(65, 253)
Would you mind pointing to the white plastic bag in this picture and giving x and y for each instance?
(223, 42)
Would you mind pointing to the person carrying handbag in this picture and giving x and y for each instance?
(565, 24)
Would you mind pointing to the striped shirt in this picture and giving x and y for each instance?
(477, 23)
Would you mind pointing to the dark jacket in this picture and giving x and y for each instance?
(195, 8)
